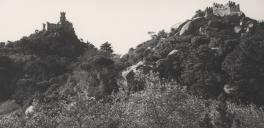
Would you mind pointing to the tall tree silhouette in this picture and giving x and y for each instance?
(107, 48)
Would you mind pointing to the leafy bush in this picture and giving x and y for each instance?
(8, 75)
(161, 104)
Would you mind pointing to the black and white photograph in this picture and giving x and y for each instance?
(131, 63)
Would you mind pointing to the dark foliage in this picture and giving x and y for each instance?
(64, 44)
(107, 48)
(208, 60)
(8, 74)
(34, 66)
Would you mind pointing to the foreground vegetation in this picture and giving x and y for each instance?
(160, 105)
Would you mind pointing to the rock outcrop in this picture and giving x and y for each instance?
(132, 81)
(186, 29)
(207, 53)
(192, 25)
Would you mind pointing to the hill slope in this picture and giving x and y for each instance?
(219, 57)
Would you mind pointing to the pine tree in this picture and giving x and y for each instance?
(107, 48)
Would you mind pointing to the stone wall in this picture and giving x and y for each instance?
(51, 27)
(221, 11)
(231, 8)
(63, 24)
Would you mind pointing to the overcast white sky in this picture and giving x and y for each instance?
(124, 23)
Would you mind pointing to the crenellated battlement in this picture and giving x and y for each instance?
(230, 8)
(63, 24)
(230, 4)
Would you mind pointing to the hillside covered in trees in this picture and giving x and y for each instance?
(206, 72)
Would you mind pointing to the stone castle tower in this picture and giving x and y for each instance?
(63, 24)
(63, 17)
(231, 8)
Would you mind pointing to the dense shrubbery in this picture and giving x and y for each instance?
(99, 73)
(51, 43)
(161, 104)
(30, 64)
(9, 73)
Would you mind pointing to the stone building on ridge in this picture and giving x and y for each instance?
(230, 8)
(63, 24)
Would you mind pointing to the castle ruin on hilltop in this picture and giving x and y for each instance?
(63, 25)
(230, 8)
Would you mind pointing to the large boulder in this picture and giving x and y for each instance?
(198, 22)
(176, 26)
(173, 52)
(237, 29)
(249, 25)
(169, 67)
(179, 26)
(250, 28)
(132, 81)
(228, 89)
(193, 25)
(186, 29)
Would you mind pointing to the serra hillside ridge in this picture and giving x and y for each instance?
(219, 54)
(200, 74)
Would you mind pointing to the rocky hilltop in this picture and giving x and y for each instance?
(218, 56)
